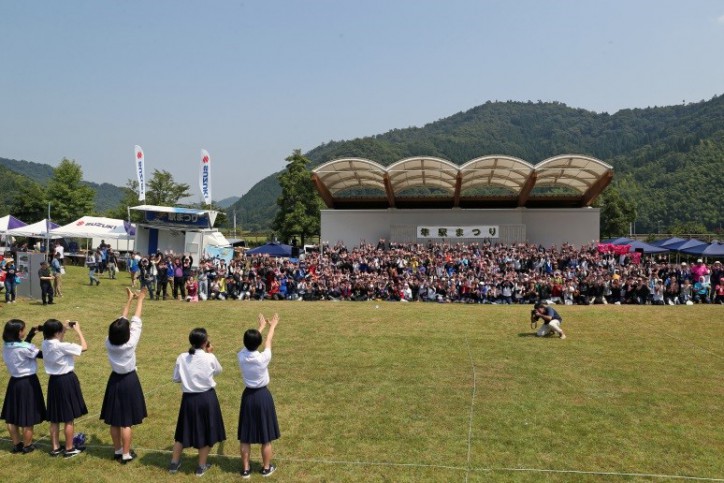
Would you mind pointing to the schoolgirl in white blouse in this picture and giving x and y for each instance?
(124, 405)
(23, 406)
(199, 424)
(65, 399)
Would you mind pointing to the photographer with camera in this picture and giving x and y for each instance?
(551, 320)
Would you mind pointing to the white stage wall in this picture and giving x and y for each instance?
(544, 226)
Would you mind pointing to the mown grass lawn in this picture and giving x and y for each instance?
(414, 392)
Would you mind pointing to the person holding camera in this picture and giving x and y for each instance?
(551, 320)
(23, 406)
(65, 399)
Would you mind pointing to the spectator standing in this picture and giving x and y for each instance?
(58, 270)
(11, 274)
(46, 283)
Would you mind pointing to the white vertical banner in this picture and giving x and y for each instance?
(205, 177)
(140, 173)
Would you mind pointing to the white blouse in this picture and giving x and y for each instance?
(254, 367)
(123, 357)
(196, 372)
(20, 357)
(59, 357)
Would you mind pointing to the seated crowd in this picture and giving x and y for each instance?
(436, 272)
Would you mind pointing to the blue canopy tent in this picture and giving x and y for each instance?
(646, 248)
(685, 245)
(273, 249)
(668, 241)
(714, 249)
(621, 241)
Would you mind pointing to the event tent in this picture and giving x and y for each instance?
(96, 227)
(714, 249)
(645, 248)
(668, 241)
(40, 229)
(273, 249)
(621, 241)
(9, 222)
(685, 245)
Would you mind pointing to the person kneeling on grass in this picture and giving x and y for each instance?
(551, 320)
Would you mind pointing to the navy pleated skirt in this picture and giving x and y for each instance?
(123, 403)
(199, 421)
(65, 399)
(257, 417)
(24, 404)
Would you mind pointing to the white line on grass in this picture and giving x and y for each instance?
(472, 406)
(441, 467)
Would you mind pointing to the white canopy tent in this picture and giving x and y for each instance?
(40, 229)
(96, 227)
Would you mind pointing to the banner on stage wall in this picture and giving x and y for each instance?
(205, 177)
(452, 232)
(140, 173)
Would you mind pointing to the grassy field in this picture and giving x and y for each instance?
(415, 392)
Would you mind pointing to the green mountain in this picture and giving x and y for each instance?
(669, 160)
(107, 196)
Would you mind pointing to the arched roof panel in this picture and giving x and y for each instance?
(505, 171)
(345, 173)
(423, 171)
(571, 170)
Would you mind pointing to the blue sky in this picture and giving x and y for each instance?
(251, 81)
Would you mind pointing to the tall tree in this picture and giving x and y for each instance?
(162, 190)
(616, 213)
(29, 202)
(70, 198)
(299, 203)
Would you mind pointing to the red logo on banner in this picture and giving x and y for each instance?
(205, 159)
(81, 222)
(139, 155)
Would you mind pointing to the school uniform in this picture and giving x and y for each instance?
(65, 399)
(199, 421)
(257, 415)
(23, 405)
(123, 403)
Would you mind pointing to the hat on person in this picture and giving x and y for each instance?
(683, 263)
(700, 261)
(717, 262)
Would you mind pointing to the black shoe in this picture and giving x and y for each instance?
(246, 473)
(173, 467)
(69, 453)
(28, 449)
(56, 452)
(18, 448)
(268, 471)
(202, 469)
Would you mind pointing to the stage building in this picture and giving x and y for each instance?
(497, 198)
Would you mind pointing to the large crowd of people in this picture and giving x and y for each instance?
(485, 273)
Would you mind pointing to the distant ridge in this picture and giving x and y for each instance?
(669, 160)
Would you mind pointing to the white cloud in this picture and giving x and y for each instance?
(720, 20)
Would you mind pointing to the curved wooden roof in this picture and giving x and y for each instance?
(492, 181)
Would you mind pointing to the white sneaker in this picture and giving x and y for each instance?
(563, 336)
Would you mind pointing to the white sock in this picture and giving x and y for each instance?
(127, 456)
(119, 451)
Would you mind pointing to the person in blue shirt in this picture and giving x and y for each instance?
(551, 320)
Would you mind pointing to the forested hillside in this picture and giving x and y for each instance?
(668, 160)
(107, 196)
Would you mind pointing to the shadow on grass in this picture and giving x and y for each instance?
(220, 460)
(526, 334)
